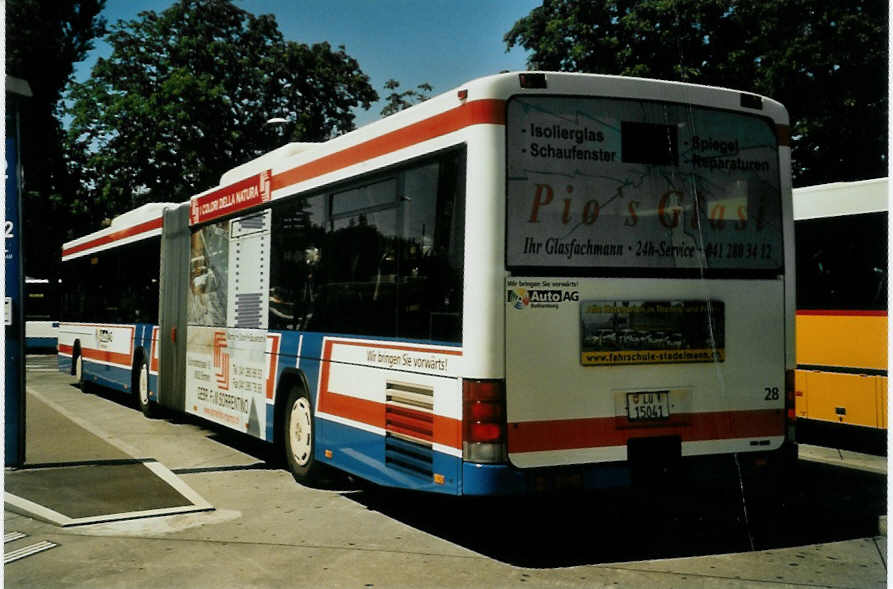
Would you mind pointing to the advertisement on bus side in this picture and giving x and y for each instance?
(226, 377)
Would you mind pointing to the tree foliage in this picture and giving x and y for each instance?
(825, 61)
(43, 42)
(185, 95)
(397, 101)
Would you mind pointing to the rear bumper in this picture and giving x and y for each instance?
(766, 471)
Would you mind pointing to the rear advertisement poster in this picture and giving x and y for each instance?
(651, 332)
(609, 183)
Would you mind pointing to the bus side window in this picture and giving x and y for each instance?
(840, 264)
(432, 251)
(358, 288)
(386, 261)
(296, 255)
(209, 268)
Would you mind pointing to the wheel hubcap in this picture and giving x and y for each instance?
(300, 432)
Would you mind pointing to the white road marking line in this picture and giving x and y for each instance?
(27, 551)
(13, 536)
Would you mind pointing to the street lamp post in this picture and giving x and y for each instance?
(281, 123)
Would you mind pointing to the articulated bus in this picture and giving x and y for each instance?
(533, 282)
(841, 242)
(41, 314)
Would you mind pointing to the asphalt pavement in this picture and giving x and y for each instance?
(125, 501)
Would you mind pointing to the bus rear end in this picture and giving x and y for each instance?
(648, 300)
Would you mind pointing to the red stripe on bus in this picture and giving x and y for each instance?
(321, 403)
(783, 135)
(66, 350)
(153, 363)
(476, 112)
(125, 360)
(446, 429)
(410, 422)
(399, 347)
(117, 235)
(842, 312)
(354, 408)
(273, 365)
(596, 432)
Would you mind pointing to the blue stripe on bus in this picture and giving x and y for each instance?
(34, 343)
(503, 479)
(311, 352)
(143, 338)
(270, 423)
(362, 453)
(153, 387)
(113, 377)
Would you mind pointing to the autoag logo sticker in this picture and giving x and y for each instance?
(518, 298)
(542, 294)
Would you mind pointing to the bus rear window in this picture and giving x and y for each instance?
(601, 183)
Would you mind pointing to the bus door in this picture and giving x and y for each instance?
(645, 298)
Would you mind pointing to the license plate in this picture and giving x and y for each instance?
(649, 405)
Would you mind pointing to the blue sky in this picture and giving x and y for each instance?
(444, 43)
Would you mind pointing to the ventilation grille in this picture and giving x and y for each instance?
(252, 223)
(249, 310)
(409, 427)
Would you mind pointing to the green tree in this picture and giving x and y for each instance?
(43, 42)
(397, 101)
(185, 96)
(825, 61)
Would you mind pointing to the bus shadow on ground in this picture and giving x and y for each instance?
(259, 449)
(828, 504)
(865, 440)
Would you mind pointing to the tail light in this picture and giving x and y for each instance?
(789, 402)
(483, 421)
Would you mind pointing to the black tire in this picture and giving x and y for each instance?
(299, 437)
(141, 387)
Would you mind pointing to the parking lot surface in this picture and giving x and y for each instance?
(261, 529)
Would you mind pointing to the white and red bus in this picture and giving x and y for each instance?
(109, 301)
(534, 280)
(41, 314)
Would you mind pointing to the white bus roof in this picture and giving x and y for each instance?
(140, 223)
(430, 125)
(841, 198)
(296, 167)
(269, 160)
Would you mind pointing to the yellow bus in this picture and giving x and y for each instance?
(841, 241)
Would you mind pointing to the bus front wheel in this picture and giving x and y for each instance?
(298, 437)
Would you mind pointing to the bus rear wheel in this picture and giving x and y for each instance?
(299, 437)
(79, 374)
(141, 385)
